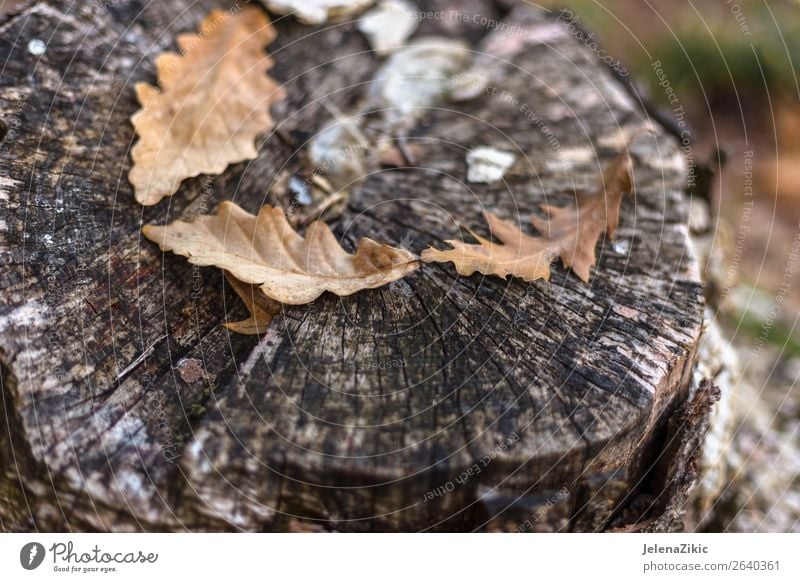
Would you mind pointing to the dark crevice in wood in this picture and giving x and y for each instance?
(16, 460)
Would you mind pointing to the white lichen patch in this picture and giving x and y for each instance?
(36, 47)
(318, 11)
(26, 316)
(6, 183)
(469, 85)
(486, 164)
(568, 159)
(389, 25)
(545, 34)
(621, 246)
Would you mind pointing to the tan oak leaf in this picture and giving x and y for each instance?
(265, 251)
(570, 233)
(262, 309)
(212, 102)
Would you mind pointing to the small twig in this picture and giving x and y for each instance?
(323, 206)
(284, 136)
(142, 357)
(402, 146)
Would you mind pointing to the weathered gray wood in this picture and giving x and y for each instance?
(128, 407)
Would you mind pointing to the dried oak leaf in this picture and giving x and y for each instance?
(570, 233)
(212, 103)
(265, 251)
(262, 309)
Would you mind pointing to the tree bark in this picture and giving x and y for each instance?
(437, 403)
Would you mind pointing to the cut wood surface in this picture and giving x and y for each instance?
(438, 402)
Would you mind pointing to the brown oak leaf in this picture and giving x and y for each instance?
(262, 309)
(212, 102)
(570, 233)
(265, 251)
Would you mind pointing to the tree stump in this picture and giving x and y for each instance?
(437, 403)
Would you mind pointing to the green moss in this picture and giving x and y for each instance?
(778, 335)
(701, 59)
(196, 412)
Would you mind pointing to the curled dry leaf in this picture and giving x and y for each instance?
(214, 101)
(262, 309)
(318, 11)
(570, 233)
(265, 251)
